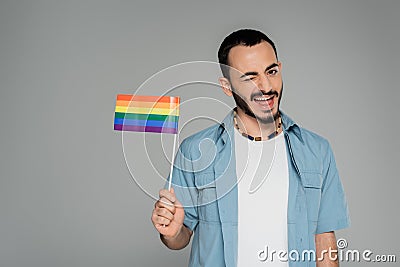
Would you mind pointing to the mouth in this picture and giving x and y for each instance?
(265, 101)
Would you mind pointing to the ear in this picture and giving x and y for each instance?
(225, 85)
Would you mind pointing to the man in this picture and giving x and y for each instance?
(242, 206)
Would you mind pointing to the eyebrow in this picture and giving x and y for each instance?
(250, 73)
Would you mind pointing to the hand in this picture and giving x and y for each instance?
(168, 214)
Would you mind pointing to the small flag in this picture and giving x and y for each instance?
(138, 113)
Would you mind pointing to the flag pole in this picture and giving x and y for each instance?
(172, 163)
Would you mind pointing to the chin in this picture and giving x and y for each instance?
(269, 116)
(266, 118)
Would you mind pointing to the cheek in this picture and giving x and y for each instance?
(242, 97)
(244, 91)
(246, 95)
(249, 88)
(277, 83)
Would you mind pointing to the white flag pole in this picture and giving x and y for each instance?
(172, 163)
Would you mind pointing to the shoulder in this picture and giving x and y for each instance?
(191, 144)
(311, 150)
(301, 134)
(316, 147)
(313, 139)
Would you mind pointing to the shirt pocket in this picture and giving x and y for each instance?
(207, 197)
(312, 184)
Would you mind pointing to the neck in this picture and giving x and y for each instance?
(254, 127)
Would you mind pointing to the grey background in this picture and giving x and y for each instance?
(66, 195)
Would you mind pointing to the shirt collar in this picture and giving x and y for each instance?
(290, 125)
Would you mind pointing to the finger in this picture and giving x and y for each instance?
(162, 212)
(156, 219)
(164, 203)
(177, 203)
(170, 195)
(162, 221)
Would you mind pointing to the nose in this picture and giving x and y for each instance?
(264, 84)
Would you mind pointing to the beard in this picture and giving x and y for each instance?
(241, 103)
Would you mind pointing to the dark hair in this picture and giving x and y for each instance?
(246, 37)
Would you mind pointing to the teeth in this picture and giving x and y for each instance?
(262, 98)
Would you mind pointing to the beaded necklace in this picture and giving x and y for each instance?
(256, 138)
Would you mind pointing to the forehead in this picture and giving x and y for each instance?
(251, 58)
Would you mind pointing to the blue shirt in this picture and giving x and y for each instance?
(204, 179)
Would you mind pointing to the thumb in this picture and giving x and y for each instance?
(177, 203)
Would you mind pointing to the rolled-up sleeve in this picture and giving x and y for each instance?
(333, 211)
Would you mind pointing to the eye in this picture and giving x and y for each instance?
(249, 79)
(273, 72)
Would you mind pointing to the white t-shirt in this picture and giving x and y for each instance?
(263, 186)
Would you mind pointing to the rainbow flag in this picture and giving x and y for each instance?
(138, 113)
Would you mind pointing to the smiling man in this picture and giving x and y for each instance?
(268, 193)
